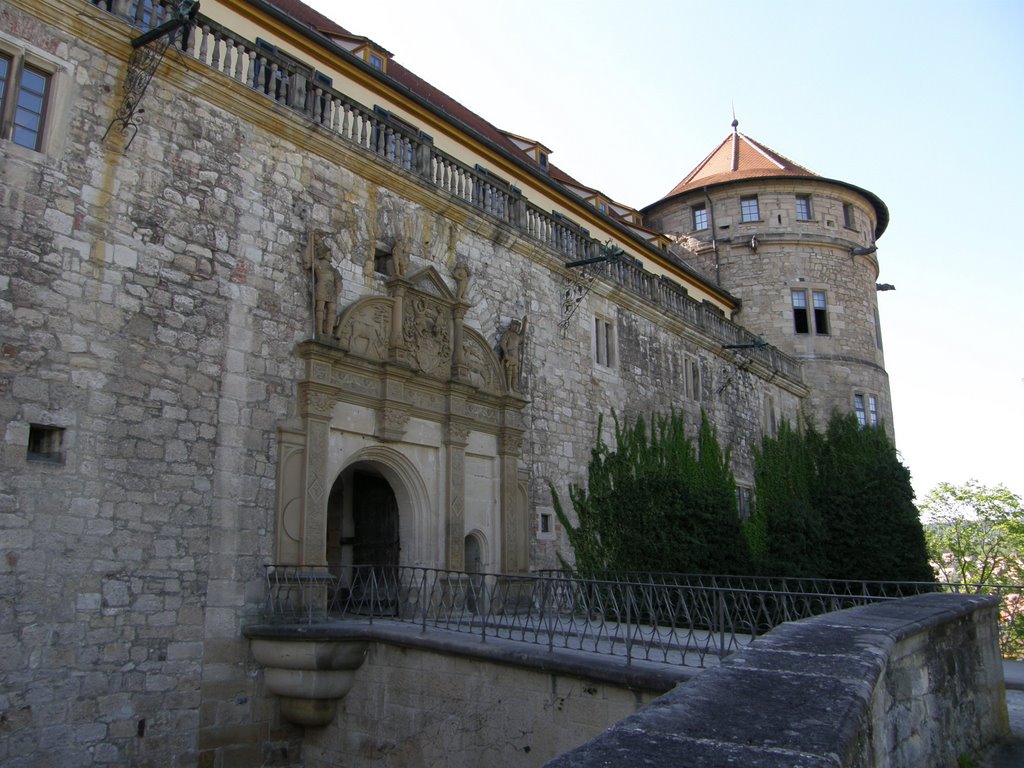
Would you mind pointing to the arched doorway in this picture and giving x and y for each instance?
(363, 531)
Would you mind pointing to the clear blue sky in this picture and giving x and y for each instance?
(920, 102)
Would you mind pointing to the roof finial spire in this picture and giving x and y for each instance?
(735, 122)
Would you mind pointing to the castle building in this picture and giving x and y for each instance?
(268, 297)
(799, 252)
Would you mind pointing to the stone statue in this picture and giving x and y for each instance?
(511, 350)
(326, 282)
(399, 260)
(461, 275)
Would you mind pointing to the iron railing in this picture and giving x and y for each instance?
(680, 620)
(297, 87)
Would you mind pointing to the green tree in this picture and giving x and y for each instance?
(656, 503)
(976, 537)
(976, 533)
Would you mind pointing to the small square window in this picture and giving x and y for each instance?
(700, 216)
(803, 207)
(45, 443)
(749, 210)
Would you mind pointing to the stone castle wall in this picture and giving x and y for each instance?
(152, 300)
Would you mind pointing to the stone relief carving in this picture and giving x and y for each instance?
(366, 330)
(354, 383)
(326, 282)
(478, 367)
(427, 333)
(511, 352)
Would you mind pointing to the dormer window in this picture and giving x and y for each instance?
(375, 61)
(542, 158)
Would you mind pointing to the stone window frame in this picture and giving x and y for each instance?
(22, 56)
(605, 348)
(804, 209)
(750, 209)
(849, 216)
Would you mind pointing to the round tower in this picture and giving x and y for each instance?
(799, 250)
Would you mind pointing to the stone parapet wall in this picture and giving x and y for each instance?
(902, 684)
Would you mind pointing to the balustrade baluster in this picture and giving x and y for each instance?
(215, 53)
(204, 42)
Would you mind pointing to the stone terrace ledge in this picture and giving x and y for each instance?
(637, 675)
(913, 682)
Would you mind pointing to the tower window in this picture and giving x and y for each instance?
(749, 210)
(45, 443)
(800, 319)
(866, 408)
(878, 330)
(803, 207)
(848, 219)
(820, 313)
(700, 216)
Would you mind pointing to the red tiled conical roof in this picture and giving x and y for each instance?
(739, 157)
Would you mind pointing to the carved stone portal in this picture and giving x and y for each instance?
(403, 388)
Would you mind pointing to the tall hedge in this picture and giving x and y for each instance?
(864, 494)
(786, 531)
(656, 503)
(835, 505)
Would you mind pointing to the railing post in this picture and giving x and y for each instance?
(423, 602)
(629, 626)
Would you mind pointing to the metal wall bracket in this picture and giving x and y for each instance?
(142, 65)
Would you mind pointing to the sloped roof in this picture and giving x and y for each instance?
(739, 157)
